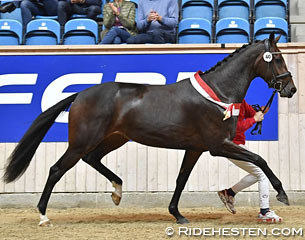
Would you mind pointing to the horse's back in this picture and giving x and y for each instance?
(129, 93)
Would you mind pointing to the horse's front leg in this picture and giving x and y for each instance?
(189, 161)
(230, 150)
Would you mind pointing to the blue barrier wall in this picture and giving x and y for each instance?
(30, 84)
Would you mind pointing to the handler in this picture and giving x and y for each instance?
(247, 117)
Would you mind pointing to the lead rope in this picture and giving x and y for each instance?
(257, 130)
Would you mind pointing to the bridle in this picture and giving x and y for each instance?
(275, 83)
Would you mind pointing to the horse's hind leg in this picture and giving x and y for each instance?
(189, 161)
(94, 157)
(67, 161)
(231, 150)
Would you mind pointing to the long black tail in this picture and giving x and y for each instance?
(22, 155)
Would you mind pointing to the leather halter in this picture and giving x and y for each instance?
(275, 83)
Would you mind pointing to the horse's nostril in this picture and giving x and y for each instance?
(293, 90)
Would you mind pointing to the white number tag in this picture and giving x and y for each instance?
(267, 56)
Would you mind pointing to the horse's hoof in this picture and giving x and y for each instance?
(117, 194)
(182, 221)
(283, 198)
(45, 224)
(44, 221)
(116, 199)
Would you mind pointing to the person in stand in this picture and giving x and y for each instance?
(8, 7)
(66, 8)
(247, 117)
(157, 22)
(31, 8)
(119, 22)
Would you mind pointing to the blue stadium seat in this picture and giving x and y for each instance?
(194, 30)
(232, 30)
(46, 17)
(78, 16)
(264, 26)
(198, 9)
(16, 14)
(42, 32)
(10, 32)
(234, 8)
(80, 31)
(270, 8)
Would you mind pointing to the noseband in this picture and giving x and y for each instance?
(275, 82)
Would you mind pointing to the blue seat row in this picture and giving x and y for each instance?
(232, 21)
(246, 9)
(230, 30)
(191, 30)
(47, 32)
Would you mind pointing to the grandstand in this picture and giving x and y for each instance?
(201, 21)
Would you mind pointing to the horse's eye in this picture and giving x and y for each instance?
(278, 61)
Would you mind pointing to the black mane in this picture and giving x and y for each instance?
(228, 57)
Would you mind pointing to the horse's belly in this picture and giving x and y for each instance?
(171, 139)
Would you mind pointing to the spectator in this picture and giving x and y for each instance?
(119, 22)
(9, 6)
(30, 8)
(66, 8)
(157, 22)
(247, 117)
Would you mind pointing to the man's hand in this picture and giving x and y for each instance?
(157, 17)
(77, 1)
(152, 16)
(259, 116)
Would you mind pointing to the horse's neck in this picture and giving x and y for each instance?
(231, 80)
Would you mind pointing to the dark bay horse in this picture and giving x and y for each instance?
(106, 116)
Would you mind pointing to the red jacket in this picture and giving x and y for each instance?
(245, 121)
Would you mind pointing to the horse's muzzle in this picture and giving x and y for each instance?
(292, 91)
(288, 91)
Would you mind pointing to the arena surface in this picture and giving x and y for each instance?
(150, 223)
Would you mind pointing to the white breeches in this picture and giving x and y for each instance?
(255, 174)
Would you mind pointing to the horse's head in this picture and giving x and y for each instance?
(271, 66)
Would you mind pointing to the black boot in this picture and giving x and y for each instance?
(7, 7)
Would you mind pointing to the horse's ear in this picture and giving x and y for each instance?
(271, 37)
(277, 38)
